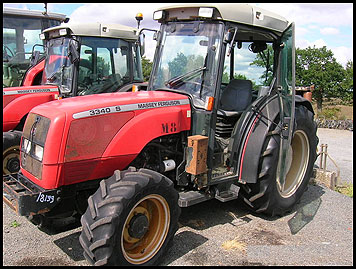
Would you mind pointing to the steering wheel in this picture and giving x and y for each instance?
(5, 53)
(84, 88)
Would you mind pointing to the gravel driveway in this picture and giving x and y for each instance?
(318, 231)
(340, 149)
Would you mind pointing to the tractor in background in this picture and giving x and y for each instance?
(81, 59)
(21, 30)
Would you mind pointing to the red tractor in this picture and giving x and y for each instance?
(81, 59)
(210, 125)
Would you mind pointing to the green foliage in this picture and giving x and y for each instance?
(146, 68)
(330, 113)
(318, 66)
(265, 59)
(348, 82)
(15, 224)
(346, 189)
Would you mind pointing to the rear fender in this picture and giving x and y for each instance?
(147, 125)
(32, 73)
(249, 137)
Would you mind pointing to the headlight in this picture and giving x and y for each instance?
(26, 145)
(38, 152)
(157, 15)
(206, 12)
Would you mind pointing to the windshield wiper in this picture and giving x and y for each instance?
(54, 76)
(175, 80)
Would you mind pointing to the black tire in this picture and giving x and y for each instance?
(11, 152)
(265, 196)
(123, 222)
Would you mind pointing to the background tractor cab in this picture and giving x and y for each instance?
(80, 59)
(21, 30)
(219, 120)
(84, 59)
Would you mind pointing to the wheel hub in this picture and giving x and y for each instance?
(13, 165)
(138, 226)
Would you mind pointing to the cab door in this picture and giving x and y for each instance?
(286, 82)
(255, 123)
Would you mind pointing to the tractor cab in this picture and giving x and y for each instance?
(21, 29)
(83, 59)
(236, 68)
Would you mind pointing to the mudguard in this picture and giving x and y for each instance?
(18, 101)
(246, 146)
(32, 73)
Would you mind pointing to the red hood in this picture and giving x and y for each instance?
(11, 93)
(80, 106)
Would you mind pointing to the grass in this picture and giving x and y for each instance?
(346, 189)
(15, 224)
(335, 109)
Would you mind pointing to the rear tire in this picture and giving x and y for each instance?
(265, 196)
(11, 152)
(130, 219)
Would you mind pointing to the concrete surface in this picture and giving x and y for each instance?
(340, 149)
(319, 231)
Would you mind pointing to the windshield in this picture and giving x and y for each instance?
(188, 59)
(20, 34)
(58, 68)
(106, 64)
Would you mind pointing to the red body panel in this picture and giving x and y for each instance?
(148, 115)
(32, 73)
(18, 101)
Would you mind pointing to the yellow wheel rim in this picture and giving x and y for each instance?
(9, 155)
(300, 152)
(145, 229)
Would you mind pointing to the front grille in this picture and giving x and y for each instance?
(31, 165)
(35, 131)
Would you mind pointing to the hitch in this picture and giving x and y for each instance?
(26, 198)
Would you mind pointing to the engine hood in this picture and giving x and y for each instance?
(105, 103)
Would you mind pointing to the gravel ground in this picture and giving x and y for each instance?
(340, 149)
(318, 231)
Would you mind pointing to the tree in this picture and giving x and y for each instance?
(348, 82)
(265, 59)
(146, 68)
(318, 66)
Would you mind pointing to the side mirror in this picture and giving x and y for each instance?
(35, 56)
(73, 53)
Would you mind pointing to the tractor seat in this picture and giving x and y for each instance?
(234, 100)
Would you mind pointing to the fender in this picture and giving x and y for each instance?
(305, 102)
(32, 73)
(18, 101)
(253, 128)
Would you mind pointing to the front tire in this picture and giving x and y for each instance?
(266, 196)
(11, 152)
(130, 219)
